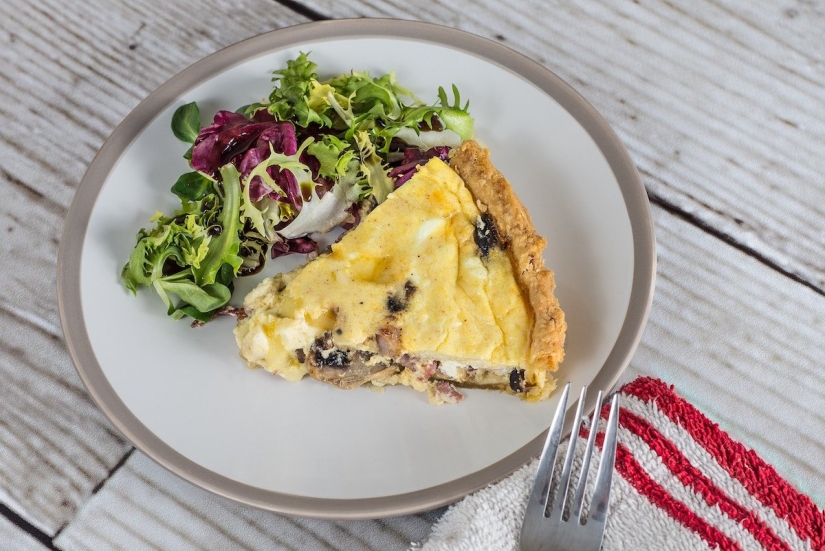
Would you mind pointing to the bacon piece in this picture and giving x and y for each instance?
(447, 394)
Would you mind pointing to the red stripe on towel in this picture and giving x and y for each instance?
(632, 471)
(693, 478)
(760, 479)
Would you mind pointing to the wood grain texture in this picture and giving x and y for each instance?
(146, 507)
(55, 445)
(15, 539)
(721, 104)
(69, 72)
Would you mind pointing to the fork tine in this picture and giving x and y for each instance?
(601, 494)
(564, 480)
(578, 498)
(544, 473)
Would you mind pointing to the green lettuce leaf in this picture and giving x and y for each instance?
(377, 175)
(224, 248)
(186, 122)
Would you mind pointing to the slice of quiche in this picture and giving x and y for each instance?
(441, 286)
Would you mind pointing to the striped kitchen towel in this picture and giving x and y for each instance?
(680, 483)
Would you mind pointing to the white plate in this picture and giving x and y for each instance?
(185, 398)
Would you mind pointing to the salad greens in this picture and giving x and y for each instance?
(253, 189)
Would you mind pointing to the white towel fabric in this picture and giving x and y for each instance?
(680, 483)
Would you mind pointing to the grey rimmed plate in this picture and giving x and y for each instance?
(185, 398)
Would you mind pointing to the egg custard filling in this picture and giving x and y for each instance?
(441, 286)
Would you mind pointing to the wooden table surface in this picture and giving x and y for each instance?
(720, 103)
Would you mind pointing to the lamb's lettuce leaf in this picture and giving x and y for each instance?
(186, 122)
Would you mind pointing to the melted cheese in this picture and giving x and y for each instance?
(462, 308)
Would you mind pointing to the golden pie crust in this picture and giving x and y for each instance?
(524, 246)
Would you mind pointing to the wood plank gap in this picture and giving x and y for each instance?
(728, 239)
(27, 527)
(299, 8)
(802, 375)
(111, 473)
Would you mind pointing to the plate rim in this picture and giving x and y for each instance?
(79, 213)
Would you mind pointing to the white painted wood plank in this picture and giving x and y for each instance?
(721, 105)
(145, 507)
(29, 234)
(15, 539)
(55, 445)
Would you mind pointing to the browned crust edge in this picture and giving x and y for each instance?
(525, 247)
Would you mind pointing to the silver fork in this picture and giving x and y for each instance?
(545, 528)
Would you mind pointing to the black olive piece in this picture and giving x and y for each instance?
(334, 357)
(215, 230)
(170, 266)
(395, 304)
(485, 235)
(517, 380)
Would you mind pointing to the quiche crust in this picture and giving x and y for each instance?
(525, 247)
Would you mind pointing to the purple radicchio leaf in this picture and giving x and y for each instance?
(298, 245)
(413, 158)
(246, 143)
(353, 220)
